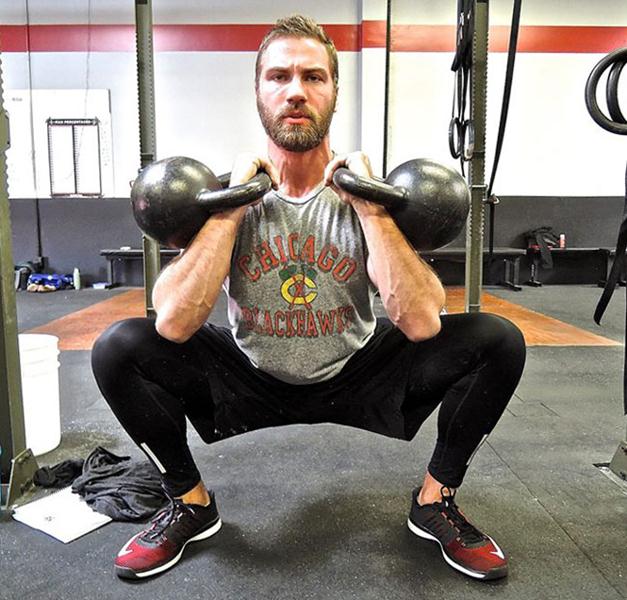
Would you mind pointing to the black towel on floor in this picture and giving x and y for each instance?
(124, 489)
(59, 475)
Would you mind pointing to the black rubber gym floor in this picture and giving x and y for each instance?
(319, 512)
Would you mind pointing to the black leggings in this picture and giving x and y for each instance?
(471, 368)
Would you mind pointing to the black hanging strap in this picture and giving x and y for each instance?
(615, 272)
(615, 123)
(612, 281)
(507, 91)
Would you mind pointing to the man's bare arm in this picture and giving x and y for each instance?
(411, 292)
(186, 291)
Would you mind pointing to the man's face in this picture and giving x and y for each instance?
(296, 94)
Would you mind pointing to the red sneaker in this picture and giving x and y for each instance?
(160, 547)
(463, 546)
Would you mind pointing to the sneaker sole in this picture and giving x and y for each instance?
(126, 573)
(497, 573)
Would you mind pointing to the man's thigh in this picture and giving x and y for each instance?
(241, 397)
(393, 385)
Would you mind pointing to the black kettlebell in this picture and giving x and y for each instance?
(428, 201)
(173, 198)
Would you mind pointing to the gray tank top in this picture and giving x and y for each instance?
(300, 299)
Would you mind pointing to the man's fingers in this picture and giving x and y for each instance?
(244, 167)
(272, 172)
(247, 165)
(358, 162)
(335, 163)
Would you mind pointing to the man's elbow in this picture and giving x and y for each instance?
(422, 328)
(172, 329)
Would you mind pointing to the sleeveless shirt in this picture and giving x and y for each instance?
(300, 302)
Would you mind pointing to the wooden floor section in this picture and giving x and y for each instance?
(79, 330)
(538, 329)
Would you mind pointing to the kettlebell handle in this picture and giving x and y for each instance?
(224, 179)
(374, 190)
(233, 197)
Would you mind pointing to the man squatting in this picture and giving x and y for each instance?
(300, 269)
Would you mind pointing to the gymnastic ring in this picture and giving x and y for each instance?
(468, 139)
(611, 92)
(455, 137)
(597, 115)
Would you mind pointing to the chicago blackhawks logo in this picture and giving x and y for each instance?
(298, 288)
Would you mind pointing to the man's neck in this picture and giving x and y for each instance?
(300, 172)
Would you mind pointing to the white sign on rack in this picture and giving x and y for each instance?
(28, 158)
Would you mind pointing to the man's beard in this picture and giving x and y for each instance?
(296, 137)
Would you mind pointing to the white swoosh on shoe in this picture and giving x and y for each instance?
(125, 550)
(498, 552)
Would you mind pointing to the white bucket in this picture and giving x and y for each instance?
(40, 391)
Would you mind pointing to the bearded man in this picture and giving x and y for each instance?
(301, 269)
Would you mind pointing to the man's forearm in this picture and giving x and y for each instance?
(188, 288)
(411, 292)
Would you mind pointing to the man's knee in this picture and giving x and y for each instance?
(502, 337)
(499, 328)
(121, 342)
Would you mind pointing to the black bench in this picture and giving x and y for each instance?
(123, 255)
(599, 259)
(622, 280)
(509, 257)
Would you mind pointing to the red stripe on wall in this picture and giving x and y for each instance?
(550, 39)
(423, 38)
(67, 38)
(13, 38)
(237, 38)
(373, 34)
(167, 38)
(347, 38)
(567, 39)
(208, 38)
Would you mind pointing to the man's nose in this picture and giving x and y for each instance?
(295, 90)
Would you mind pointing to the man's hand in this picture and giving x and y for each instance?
(359, 163)
(245, 167)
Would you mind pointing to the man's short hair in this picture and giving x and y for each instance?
(298, 26)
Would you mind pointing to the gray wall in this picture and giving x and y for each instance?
(74, 230)
(24, 229)
(585, 221)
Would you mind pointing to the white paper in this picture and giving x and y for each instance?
(63, 515)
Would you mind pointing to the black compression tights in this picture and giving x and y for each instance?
(471, 369)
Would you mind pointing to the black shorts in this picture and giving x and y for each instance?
(368, 393)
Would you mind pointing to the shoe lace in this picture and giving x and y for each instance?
(170, 514)
(468, 533)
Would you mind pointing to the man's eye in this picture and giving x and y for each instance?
(278, 77)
